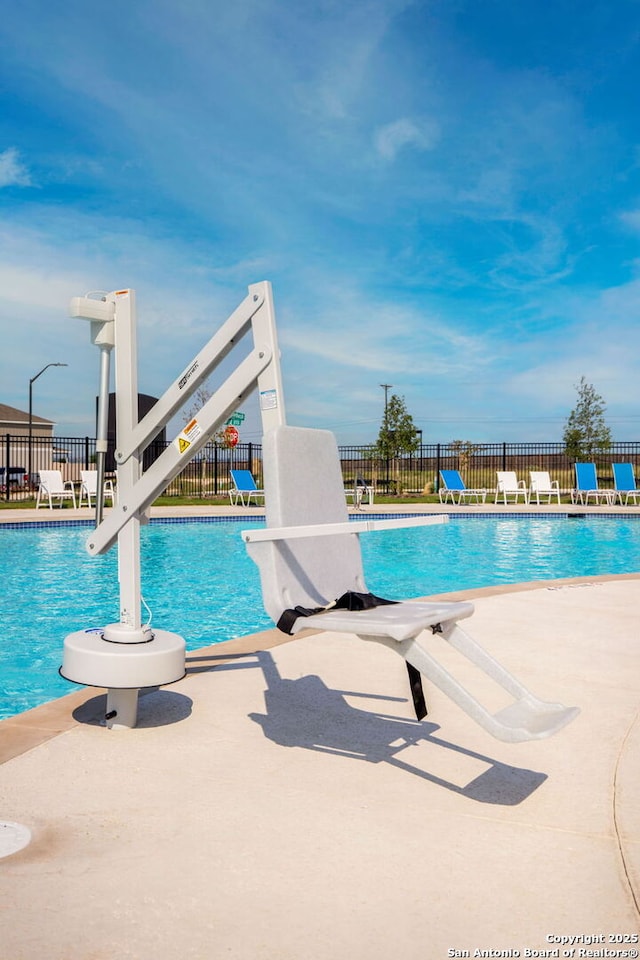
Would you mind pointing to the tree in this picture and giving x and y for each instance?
(464, 449)
(198, 400)
(586, 433)
(398, 433)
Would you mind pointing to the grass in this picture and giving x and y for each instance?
(223, 500)
(186, 501)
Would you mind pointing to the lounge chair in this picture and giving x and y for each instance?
(508, 485)
(625, 482)
(587, 486)
(541, 485)
(312, 576)
(89, 487)
(453, 484)
(361, 489)
(244, 488)
(52, 487)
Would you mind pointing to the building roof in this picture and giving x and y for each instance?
(13, 415)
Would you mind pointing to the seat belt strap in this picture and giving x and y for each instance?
(351, 600)
(417, 693)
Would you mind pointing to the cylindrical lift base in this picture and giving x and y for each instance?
(123, 668)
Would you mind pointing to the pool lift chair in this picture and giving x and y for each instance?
(309, 554)
(312, 576)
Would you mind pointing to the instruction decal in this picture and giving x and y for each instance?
(268, 400)
(188, 436)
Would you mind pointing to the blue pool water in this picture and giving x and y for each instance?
(199, 582)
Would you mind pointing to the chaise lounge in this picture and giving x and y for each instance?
(453, 485)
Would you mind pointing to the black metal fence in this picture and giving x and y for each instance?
(208, 473)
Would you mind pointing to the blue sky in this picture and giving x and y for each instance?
(445, 196)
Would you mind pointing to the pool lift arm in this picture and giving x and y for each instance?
(127, 656)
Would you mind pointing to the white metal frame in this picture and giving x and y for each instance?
(113, 325)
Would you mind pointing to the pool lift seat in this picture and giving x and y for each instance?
(309, 556)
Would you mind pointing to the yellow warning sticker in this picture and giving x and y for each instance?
(192, 431)
(188, 436)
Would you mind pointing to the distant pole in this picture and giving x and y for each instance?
(386, 387)
(31, 383)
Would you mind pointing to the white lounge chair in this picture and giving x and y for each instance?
(52, 487)
(309, 558)
(361, 489)
(541, 485)
(508, 485)
(89, 487)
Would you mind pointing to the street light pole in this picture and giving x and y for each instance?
(31, 383)
(386, 387)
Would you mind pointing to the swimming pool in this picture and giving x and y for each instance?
(199, 581)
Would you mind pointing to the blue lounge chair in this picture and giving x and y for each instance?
(244, 488)
(587, 486)
(452, 484)
(625, 482)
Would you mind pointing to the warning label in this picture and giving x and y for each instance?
(188, 436)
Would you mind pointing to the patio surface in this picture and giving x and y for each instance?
(281, 802)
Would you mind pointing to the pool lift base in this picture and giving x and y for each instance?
(123, 659)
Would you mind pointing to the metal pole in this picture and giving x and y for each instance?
(31, 383)
(7, 460)
(103, 427)
(386, 387)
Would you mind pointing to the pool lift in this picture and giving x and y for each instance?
(128, 656)
(307, 555)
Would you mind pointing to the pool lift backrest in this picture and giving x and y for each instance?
(127, 656)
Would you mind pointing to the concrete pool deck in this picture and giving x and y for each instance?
(281, 802)
(21, 515)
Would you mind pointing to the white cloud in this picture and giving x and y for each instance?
(390, 139)
(631, 218)
(371, 335)
(13, 173)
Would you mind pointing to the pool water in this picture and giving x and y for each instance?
(198, 580)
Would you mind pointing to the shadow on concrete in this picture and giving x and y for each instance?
(306, 713)
(156, 708)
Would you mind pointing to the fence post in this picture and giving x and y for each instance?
(504, 456)
(215, 468)
(437, 484)
(7, 454)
